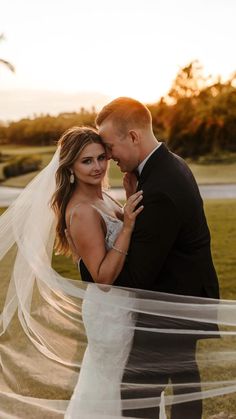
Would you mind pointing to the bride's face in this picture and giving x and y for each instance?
(91, 165)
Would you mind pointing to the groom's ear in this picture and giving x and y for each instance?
(134, 136)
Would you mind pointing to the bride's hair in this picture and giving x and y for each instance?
(71, 143)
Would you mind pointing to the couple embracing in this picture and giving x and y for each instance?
(148, 289)
(159, 242)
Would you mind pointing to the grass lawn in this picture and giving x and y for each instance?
(214, 173)
(23, 180)
(221, 216)
(15, 150)
(45, 153)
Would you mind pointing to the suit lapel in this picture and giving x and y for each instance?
(156, 161)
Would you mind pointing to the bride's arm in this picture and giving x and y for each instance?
(87, 233)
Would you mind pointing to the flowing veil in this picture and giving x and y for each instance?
(43, 337)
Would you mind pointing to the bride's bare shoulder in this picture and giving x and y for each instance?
(80, 212)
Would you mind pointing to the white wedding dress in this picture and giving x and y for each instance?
(109, 330)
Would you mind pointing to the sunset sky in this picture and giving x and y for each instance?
(70, 53)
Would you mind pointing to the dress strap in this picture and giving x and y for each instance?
(72, 213)
(103, 215)
(113, 199)
(99, 211)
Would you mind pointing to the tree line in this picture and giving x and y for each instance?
(196, 117)
(44, 129)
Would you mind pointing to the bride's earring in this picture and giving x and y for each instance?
(72, 177)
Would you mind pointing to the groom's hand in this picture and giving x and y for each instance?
(130, 183)
(75, 256)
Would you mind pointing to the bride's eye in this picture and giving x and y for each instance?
(87, 161)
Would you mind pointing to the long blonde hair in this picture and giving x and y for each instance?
(71, 143)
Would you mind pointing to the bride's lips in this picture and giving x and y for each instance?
(97, 175)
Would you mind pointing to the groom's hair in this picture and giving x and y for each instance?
(125, 113)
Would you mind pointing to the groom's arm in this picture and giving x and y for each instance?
(155, 232)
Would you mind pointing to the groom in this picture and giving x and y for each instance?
(169, 250)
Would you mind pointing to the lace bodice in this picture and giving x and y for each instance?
(113, 226)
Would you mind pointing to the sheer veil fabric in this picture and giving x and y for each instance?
(44, 334)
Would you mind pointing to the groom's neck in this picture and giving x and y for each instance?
(147, 145)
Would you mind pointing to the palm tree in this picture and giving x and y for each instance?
(6, 63)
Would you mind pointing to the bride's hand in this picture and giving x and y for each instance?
(130, 210)
(130, 183)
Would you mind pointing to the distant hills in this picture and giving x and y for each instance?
(17, 104)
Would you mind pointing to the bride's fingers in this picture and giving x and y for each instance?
(135, 202)
(138, 210)
(133, 198)
(136, 194)
(133, 212)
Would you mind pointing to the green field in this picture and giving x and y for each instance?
(45, 153)
(221, 216)
(214, 173)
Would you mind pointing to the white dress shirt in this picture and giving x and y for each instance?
(142, 164)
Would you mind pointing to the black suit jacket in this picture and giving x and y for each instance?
(170, 246)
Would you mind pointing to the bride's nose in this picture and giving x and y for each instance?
(97, 165)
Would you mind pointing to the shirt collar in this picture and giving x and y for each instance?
(142, 164)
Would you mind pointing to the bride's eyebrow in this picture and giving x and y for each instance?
(92, 157)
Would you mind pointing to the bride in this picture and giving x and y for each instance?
(101, 232)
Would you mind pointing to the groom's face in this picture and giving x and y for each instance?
(120, 146)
